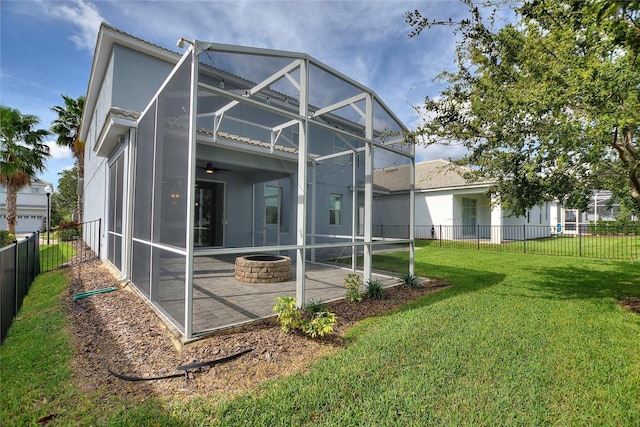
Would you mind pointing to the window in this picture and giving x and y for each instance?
(35, 190)
(271, 203)
(335, 209)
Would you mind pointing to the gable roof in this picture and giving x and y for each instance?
(430, 175)
(107, 37)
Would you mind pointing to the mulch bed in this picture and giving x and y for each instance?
(119, 331)
(631, 303)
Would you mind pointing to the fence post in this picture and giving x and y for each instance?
(15, 280)
(579, 240)
(36, 245)
(440, 236)
(28, 266)
(524, 238)
(478, 235)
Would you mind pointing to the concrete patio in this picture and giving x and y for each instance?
(219, 300)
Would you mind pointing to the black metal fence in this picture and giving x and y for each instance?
(584, 240)
(591, 240)
(70, 244)
(22, 261)
(19, 266)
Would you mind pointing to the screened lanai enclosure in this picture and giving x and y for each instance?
(267, 155)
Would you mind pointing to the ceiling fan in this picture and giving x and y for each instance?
(210, 169)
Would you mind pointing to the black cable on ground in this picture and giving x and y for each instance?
(185, 368)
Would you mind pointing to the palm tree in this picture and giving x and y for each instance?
(67, 126)
(22, 155)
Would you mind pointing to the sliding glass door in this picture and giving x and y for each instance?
(209, 214)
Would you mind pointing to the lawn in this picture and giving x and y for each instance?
(55, 254)
(625, 247)
(518, 339)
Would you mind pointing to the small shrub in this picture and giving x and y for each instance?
(409, 280)
(321, 321)
(315, 306)
(6, 238)
(69, 230)
(321, 324)
(353, 282)
(289, 316)
(375, 289)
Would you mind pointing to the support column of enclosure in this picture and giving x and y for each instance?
(191, 184)
(496, 221)
(368, 189)
(303, 131)
(412, 212)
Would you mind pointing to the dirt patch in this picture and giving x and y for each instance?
(631, 303)
(119, 331)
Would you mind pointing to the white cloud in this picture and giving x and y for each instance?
(59, 153)
(446, 152)
(86, 19)
(365, 40)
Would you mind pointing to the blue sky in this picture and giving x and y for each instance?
(46, 47)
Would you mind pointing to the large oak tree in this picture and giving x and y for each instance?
(548, 105)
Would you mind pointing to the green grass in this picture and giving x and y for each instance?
(517, 340)
(625, 247)
(35, 370)
(54, 255)
(34, 358)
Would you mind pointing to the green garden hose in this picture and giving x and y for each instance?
(81, 295)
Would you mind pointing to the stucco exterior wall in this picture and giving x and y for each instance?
(130, 81)
(136, 78)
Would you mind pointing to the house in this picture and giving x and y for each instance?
(31, 206)
(600, 208)
(226, 151)
(448, 206)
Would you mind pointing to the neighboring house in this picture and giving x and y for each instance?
(443, 197)
(598, 209)
(228, 150)
(32, 207)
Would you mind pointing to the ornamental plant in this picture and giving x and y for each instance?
(6, 238)
(353, 282)
(319, 321)
(409, 280)
(375, 289)
(69, 230)
(321, 324)
(288, 314)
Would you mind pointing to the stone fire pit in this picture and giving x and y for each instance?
(263, 268)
